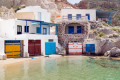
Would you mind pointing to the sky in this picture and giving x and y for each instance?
(73, 1)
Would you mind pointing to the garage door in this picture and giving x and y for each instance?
(34, 47)
(13, 48)
(74, 48)
(90, 48)
(50, 48)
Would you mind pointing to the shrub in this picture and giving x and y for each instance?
(105, 24)
(115, 35)
(117, 29)
(100, 35)
(95, 31)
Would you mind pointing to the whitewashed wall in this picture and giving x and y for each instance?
(8, 30)
(83, 12)
(37, 10)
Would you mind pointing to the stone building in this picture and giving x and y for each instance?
(74, 25)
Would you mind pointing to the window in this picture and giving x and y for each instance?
(79, 29)
(88, 15)
(78, 16)
(44, 31)
(71, 30)
(19, 29)
(27, 29)
(50, 40)
(38, 30)
(69, 16)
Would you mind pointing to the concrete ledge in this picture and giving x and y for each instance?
(3, 56)
(55, 56)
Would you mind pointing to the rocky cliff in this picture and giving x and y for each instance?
(53, 6)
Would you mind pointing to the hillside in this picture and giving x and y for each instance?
(106, 5)
(53, 6)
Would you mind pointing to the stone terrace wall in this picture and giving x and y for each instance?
(64, 39)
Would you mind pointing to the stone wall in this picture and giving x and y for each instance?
(64, 39)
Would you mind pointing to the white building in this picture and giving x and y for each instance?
(28, 36)
(34, 13)
(77, 14)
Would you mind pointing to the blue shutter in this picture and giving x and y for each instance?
(78, 16)
(38, 30)
(88, 15)
(69, 16)
(79, 29)
(71, 30)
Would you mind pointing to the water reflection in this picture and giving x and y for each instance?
(60, 69)
(2, 72)
(26, 69)
(50, 65)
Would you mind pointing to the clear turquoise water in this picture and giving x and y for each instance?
(65, 68)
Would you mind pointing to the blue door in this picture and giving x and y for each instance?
(88, 15)
(71, 30)
(90, 48)
(79, 29)
(38, 30)
(44, 31)
(50, 48)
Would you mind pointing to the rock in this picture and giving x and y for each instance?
(114, 52)
(107, 54)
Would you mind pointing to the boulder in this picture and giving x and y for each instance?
(107, 54)
(114, 52)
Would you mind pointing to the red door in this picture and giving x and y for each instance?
(37, 47)
(34, 47)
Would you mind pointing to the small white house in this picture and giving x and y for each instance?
(37, 35)
(77, 14)
(33, 36)
(34, 13)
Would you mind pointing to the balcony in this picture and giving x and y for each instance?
(36, 27)
(72, 19)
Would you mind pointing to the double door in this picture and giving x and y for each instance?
(34, 47)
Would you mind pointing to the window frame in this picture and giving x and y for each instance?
(19, 29)
(69, 16)
(26, 31)
(78, 30)
(69, 30)
(88, 16)
(78, 16)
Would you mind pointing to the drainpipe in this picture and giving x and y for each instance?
(49, 28)
(40, 27)
(56, 29)
(26, 26)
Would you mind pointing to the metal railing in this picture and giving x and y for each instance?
(75, 18)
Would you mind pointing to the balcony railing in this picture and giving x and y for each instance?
(73, 18)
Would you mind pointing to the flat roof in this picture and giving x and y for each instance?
(43, 23)
(104, 14)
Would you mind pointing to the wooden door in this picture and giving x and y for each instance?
(34, 47)
(37, 47)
